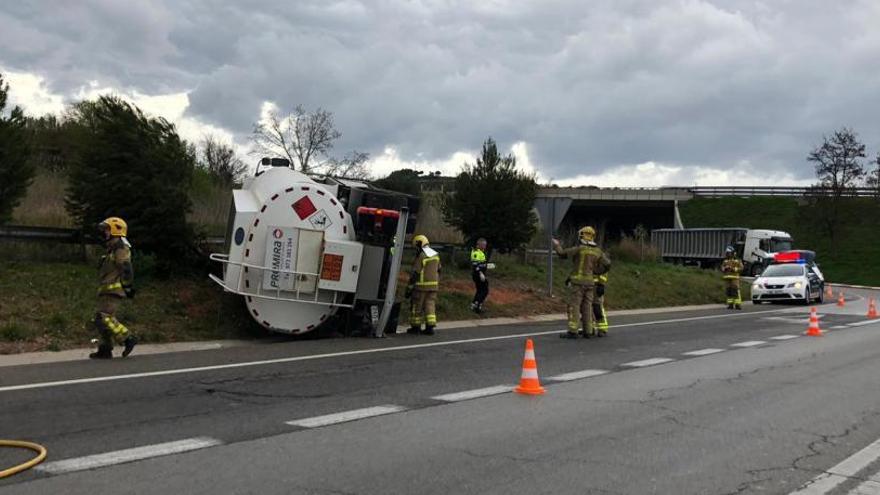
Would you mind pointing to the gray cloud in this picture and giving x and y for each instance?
(588, 85)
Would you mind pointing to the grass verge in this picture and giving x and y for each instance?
(50, 306)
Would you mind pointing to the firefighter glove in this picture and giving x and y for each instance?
(408, 292)
(600, 290)
(482, 277)
(129, 291)
(568, 282)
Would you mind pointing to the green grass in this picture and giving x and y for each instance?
(855, 260)
(50, 306)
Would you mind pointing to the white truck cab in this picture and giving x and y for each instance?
(760, 246)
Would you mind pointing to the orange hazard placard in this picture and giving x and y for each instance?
(332, 267)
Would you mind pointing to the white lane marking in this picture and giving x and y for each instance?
(474, 394)
(344, 417)
(148, 374)
(577, 375)
(702, 352)
(748, 343)
(784, 337)
(127, 455)
(838, 327)
(843, 471)
(866, 322)
(648, 362)
(871, 486)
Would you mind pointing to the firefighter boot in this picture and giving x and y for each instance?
(414, 330)
(429, 330)
(103, 352)
(129, 344)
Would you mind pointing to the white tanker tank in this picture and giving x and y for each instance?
(304, 252)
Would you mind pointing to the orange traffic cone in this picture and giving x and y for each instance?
(813, 330)
(840, 301)
(872, 308)
(528, 383)
(829, 293)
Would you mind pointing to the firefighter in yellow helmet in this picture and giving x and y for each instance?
(424, 283)
(115, 279)
(731, 267)
(599, 314)
(589, 261)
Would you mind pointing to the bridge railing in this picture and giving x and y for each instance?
(705, 191)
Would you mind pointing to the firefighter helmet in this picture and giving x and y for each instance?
(116, 226)
(587, 234)
(420, 241)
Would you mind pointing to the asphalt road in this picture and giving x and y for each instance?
(757, 412)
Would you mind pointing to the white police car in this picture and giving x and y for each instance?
(793, 277)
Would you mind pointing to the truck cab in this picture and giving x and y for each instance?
(760, 246)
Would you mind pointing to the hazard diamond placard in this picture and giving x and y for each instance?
(304, 207)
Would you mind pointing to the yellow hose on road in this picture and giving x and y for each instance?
(39, 449)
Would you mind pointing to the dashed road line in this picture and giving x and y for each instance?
(866, 322)
(577, 375)
(849, 467)
(127, 455)
(839, 327)
(647, 362)
(784, 337)
(474, 394)
(345, 417)
(748, 343)
(702, 352)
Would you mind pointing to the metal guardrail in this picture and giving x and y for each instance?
(707, 191)
(66, 235)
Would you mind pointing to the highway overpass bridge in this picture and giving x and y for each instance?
(615, 211)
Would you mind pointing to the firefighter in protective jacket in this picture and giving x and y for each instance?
(115, 279)
(424, 283)
(599, 315)
(589, 261)
(731, 267)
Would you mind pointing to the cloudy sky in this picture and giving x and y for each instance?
(606, 92)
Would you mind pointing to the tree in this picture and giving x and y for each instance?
(220, 161)
(137, 168)
(404, 180)
(838, 161)
(873, 179)
(306, 140)
(493, 199)
(16, 171)
(839, 169)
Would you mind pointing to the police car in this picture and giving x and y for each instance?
(793, 276)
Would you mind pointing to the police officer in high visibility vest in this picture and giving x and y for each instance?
(599, 315)
(588, 261)
(731, 267)
(479, 268)
(115, 279)
(424, 283)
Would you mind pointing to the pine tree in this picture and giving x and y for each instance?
(493, 199)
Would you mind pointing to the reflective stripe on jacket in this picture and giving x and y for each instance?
(427, 266)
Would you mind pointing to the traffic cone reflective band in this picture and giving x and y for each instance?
(829, 293)
(840, 301)
(872, 308)
(529, 383)
(813, 330)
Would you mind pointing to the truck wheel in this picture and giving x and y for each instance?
(821, 298)
(755, 301)
(756, 270)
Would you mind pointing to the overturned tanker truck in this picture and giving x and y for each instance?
(315, 252)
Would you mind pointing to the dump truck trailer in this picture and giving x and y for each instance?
(705, 247)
